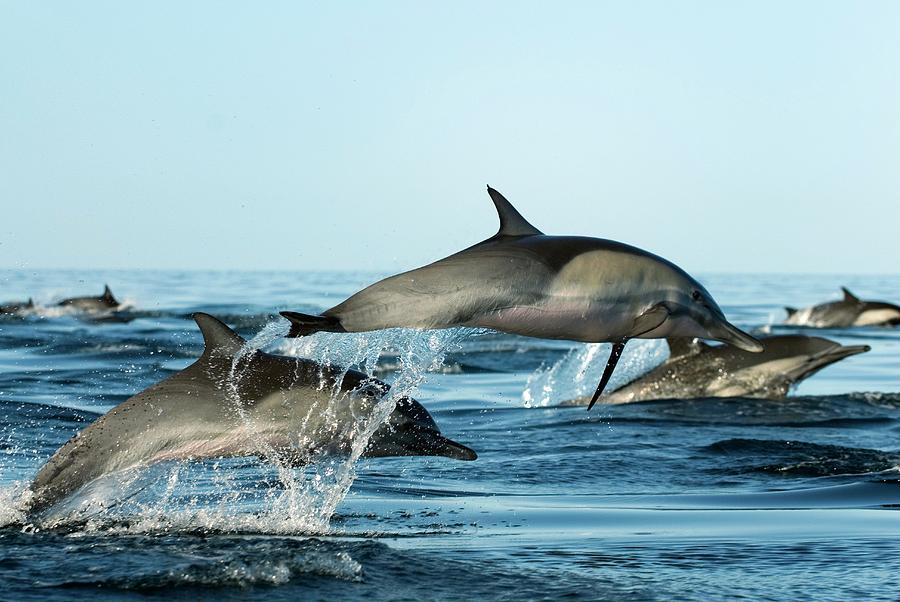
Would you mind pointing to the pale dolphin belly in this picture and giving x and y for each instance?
(875, 317)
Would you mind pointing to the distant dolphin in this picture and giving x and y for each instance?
(104, 302)
(524, 282)
(287, 405)
(16, 306)
(695, 370)
(849, 311)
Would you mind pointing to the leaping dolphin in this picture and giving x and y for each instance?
(849, 311)
(695, 370)
(104, 302)
(288, 410)
(522, 281)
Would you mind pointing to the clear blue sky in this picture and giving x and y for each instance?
(726, 136)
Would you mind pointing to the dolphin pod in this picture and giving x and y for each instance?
(849, 311)
(695, 370)
(288, 411)
(522, 281)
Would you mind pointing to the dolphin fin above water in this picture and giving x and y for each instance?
(511, 221)
(850, 297)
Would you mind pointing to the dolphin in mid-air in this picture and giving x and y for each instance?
(105, 302)
(696, 370)
(522, 281)
(849, 311)
(228, 404)
(15, 307)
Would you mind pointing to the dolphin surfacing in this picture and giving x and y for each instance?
(103, 302)
(522, 281)
(696, 370)
(288, 410)
(850, 311)
(15, 307)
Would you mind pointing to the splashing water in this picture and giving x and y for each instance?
(577, 373)
(310, 496)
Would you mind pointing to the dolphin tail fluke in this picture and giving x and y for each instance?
(305, 324)
(614, 356)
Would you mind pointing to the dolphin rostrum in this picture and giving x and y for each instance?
(849, 311)
(15, 307)
(230, 404)
(522, 281)
(104, 302)
(696, 370)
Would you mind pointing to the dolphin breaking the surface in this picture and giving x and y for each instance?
(696, 370)
(522, 281)
(230, 404)
(15, 307)
(104, 302)
(849, 311)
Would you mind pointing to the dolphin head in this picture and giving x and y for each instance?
(693, 312)
(411, 431)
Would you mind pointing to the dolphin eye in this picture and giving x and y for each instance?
(696, 296)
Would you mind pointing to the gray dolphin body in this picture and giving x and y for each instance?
(849, 311)
(105, 302)
(16, 307)
(288, 410)
(522, 281)
(695, 370)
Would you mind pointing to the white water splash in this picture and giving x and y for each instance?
(578, 372)
(310, 496)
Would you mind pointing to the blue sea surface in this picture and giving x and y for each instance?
(713, 499)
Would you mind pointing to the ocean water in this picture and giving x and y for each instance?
(673, 500)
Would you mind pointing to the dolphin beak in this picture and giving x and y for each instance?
(442, 446)
(730, 334)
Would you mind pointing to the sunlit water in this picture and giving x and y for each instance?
(707, 499)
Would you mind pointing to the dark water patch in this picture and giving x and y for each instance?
(803, 459)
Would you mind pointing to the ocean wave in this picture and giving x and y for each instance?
(803, 459)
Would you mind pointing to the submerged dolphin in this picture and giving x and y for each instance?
(695, 370)
(849, 311)
(16, 306)
(104, 302)
(522, 281)
(287, 409)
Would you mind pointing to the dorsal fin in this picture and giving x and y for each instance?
(511, 221)
(218, 339)
(681, 346)
(30, 302)
(849, 297)
(790, 310)
(107, 294)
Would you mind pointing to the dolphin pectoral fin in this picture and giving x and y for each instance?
(608, 372)
(511, 221)
(305, 324)
(649, 320)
